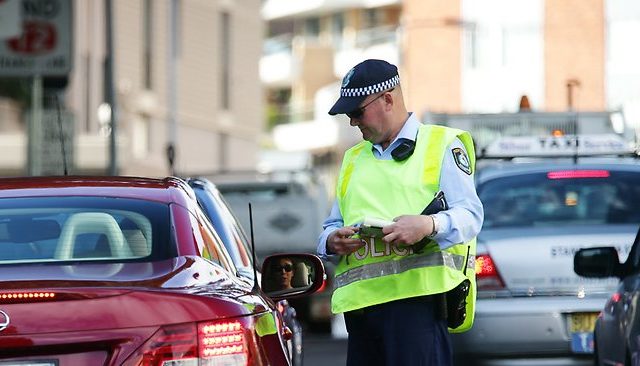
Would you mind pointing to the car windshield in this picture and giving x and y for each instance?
(574, 197)
(55, 229)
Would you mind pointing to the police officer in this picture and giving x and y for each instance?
(388, 292)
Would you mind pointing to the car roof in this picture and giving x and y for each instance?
(201, 182)
(487, 170)
(164, 190)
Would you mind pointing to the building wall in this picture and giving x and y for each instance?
(574, 49)
(622, 28)
(315, 70)
(481, 56)
(208, 134)
(85, 91)
(502, 55)
(431, 55)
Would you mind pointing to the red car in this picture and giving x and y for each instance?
(128, 271)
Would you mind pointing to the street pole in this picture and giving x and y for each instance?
(172, 75)
(35, 128)
(110, 88)
(572, 84)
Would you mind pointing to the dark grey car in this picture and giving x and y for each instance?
(617, 329)
(236, 242)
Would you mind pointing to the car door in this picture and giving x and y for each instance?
(627, 306)
(618, 330)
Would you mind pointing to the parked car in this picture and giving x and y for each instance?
(129, 271)
(538, 213)
(288, 211)
(235, 240)
(617, 330)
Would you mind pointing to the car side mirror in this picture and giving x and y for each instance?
(285, 276)
(597, 262)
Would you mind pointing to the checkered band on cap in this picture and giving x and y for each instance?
(371, 89)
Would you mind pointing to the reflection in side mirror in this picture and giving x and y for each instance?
(292, 275)
(597, 262)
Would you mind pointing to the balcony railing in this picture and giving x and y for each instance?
(277, 44)
(289, 113)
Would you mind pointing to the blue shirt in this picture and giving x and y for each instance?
(459, 224)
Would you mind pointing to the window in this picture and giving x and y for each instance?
(337, 27)
(209, 241)
(312, 27)
(538, 200)
(227, 227)
(371, 18)
(51, 230)
(471, 43)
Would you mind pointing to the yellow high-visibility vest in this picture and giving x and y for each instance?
(384, 189)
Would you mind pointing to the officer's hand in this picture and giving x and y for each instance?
(341, 241)
(407, 229)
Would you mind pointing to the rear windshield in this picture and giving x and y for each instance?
(582, 197)
(54, 229)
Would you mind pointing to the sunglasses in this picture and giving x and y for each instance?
(286, 268)
(358, 112)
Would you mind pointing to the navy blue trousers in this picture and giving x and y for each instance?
(404, 332)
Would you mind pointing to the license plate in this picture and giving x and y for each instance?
(581, 327)
(29, 363)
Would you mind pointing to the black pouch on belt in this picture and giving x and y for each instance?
(456, 300)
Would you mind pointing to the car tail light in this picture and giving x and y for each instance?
(224, 341)
(203, 344)
(175, 344)
(573, 174)
(487, 276)
(29, 295)
(611, 304)
(33, 296)
(615, 297)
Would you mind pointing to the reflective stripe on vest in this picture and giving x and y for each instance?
(380, 269)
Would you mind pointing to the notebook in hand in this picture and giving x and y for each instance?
(372, 227)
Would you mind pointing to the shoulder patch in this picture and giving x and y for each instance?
(461, 159)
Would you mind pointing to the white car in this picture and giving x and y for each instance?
(538, 213)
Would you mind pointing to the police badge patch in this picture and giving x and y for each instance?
(461, 159)
(347, 78)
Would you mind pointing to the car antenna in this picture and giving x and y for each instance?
(256, 287)
(64, 153)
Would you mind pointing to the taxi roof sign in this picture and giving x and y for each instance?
(558, 146)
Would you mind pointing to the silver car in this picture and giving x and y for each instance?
(531, 304)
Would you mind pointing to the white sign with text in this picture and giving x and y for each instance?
(43, 45)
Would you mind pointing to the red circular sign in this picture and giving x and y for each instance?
(37, 38)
